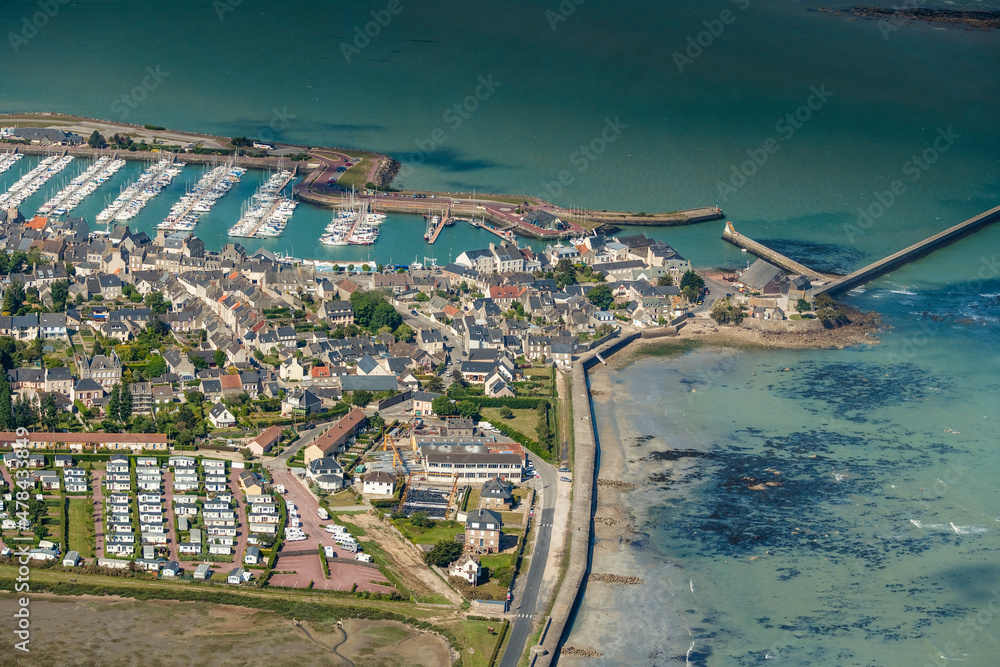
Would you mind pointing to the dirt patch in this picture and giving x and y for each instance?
(408, 563)
(88, 630)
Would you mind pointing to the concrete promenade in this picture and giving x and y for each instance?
(585, 470)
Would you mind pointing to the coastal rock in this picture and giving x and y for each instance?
(618, 484)
(615, 579)
(582, 652)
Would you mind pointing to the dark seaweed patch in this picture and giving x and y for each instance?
(855, 390)
(822, 257)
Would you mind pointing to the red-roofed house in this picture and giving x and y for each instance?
(505, 294)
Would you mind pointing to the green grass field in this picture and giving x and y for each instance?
(81, 528)
(523, 421)
(440, 530)
(357, 175)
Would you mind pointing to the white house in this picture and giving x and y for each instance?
(379, 484)
(467, 567)
(221, 417)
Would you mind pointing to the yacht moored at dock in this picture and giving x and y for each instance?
(266, 213)
(33, 181)
(81, 186)
(185, 214)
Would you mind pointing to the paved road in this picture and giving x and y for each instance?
(526, 607)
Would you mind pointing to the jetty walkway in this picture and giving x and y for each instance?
(837, 284)
(908, 254)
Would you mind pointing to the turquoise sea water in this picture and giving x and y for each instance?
(891, 421)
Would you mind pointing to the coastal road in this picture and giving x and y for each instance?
(526, 607)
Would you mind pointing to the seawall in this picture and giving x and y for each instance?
(584, 495)
(730, 234)
(908, 254)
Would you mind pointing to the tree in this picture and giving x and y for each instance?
(50, 412)
(124, 404)
(443, 407)
(724, 312)
(422, 298)
(220, 358)
(24, 413)
(404, 333)
(6, 407)
(803, 306)
(603, 329)
(468, 409)
(506, 413)
(361, 398)
(435, 385)
(198, 361)
(444, 553)
(13, 298)
(113, 405)
(156, 367)
(420, 520)
(458, 378)
(376, 422)
(96, 140)
(98, 347)
(691, 285)
(601, 296)
(664, 281)
(60, 292)
(154, 300)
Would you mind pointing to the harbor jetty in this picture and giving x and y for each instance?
(837, 284)
(910, 253)
(767, 254)
(328, 172)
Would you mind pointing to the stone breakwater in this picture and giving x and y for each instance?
(970, 20)
(385, 173)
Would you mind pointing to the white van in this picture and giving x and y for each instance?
(349, 547)
(330, 553)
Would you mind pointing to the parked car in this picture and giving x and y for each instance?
(563, 469)
(565, 479)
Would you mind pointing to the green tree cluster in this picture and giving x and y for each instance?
(373, 311)
(443, 554)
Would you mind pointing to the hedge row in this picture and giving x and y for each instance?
(496, 649)
(524, 441)
(512, 403)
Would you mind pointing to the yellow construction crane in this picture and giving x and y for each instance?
(451, 498)
(387, 442)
